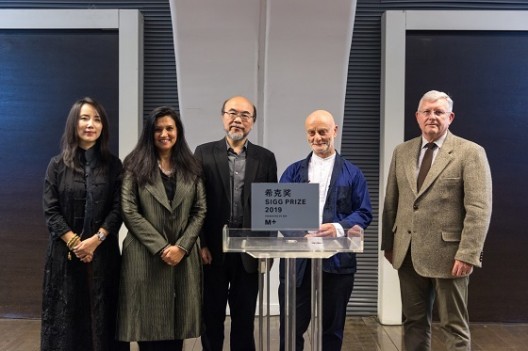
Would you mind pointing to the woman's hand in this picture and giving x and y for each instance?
(172, 255)
(86, 248)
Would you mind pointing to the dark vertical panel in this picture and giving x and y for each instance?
(486, 74)
(159, 84)
(360, 142)
(41, 74)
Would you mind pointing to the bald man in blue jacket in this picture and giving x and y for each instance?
(344, 206)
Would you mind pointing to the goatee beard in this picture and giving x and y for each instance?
(236, 136)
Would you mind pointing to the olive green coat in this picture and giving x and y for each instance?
(158, 301)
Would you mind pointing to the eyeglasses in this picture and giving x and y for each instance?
(245, 116)
(437, 113)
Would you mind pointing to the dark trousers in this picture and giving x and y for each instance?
(418, 296)
(337, 289)
(229, 283)
(162, 345)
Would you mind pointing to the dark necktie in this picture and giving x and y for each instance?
(426, 164)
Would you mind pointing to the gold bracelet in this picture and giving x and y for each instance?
(75, 242)
(71, 239)
(71, 243)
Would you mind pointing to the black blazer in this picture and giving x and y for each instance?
(261, 167)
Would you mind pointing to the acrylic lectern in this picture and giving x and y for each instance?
(264, 248)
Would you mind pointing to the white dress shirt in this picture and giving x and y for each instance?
(320, 171)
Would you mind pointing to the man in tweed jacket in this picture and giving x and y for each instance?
(434, 235)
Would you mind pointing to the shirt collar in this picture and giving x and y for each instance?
(244, 148)
(439, 142)
(328, 159)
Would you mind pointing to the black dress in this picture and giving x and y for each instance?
(80, 299)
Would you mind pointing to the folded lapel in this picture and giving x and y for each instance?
(250, 173)
(222, 164)
(411, 166)
(181, 192)
(157, 190)
(338, 165)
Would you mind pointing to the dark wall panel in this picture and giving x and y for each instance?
(41, 74)
(486, 74)
(159, 83)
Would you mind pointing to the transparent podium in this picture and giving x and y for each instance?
(259, 245)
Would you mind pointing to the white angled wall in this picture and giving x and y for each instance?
(216, 44)
(289, 56)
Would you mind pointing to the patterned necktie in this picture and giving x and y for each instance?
(426, 164)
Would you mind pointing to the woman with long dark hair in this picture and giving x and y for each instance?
(163, 203)
(81, 203)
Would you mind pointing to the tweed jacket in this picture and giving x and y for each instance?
(448, 218)
(158, 301)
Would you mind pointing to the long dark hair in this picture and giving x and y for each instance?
(142, 162)
(70, 137)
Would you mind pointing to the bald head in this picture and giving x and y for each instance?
(321, 131)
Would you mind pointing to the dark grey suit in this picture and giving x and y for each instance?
(447, 219)
(230, 277)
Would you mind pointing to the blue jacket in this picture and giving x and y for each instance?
(347, 203)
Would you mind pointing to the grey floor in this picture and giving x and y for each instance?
(361, 334)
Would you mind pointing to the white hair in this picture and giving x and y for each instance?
(435, 95)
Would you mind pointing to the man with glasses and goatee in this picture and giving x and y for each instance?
(230, 165)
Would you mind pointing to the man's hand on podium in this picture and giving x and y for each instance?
(325, 230)
(356, 231)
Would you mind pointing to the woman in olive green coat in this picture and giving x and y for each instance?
(163, 204)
